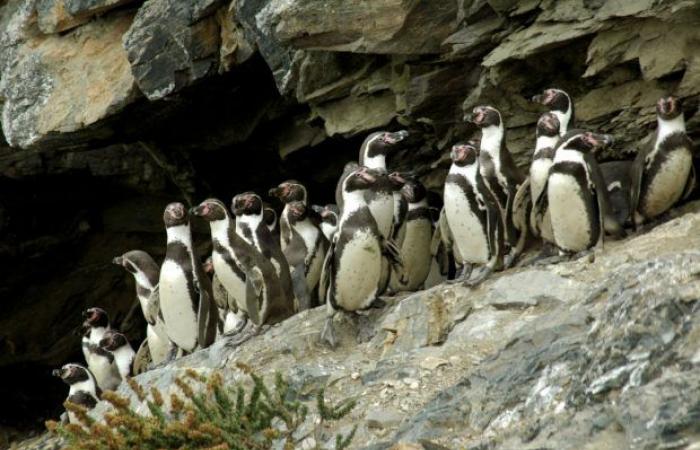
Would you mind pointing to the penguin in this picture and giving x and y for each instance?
(353, 266)
(99, 361)
(82, 388)
(662, 172)
(186, 299)
(261, 299)
(373, 152)
(146, 273)
(417, 230)
(303, 243)
(501, 175)
(329, 219)
(560, 104)
(473, 216)
(618, 182)
(248, 209)
(400, 207)
(225, 304)
(576, 195)
(547, 136)
(123, 353)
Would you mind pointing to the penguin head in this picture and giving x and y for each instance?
(289, 191)
(210, 210)
(555, 99)
(484, 116)
(329, 214)
(72, 373)
(175, 214)
(383, 142)
(269, 216)
(414, 191)
(361, 178)
(136, 261)
(297, 211)
(548, 125)
(586, 141)
(464, 154)
(669, 107)
(247, 203)
(112, 340)
(397, 180)
(96, 318)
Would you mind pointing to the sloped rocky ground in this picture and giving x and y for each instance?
(580, 355)
(113, 108)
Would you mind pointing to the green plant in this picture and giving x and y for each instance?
(207, 415)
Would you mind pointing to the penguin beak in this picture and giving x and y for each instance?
(275, 192)
(57, 373)
(393, 138)
(539, 98)
(118, 260)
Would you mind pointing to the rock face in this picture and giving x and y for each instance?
(113, 108)
(599, 355)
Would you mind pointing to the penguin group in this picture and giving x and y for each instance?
(383, 235)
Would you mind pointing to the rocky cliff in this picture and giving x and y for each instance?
(112, 108)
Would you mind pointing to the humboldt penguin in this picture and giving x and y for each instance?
(576, 195)
(501, 176)
(663, 172)
(261, 300)
(547, 136)
(95, 324)
(353, 266)
(123, 353)
(618, 180)
(303, 243)
(560, 104)
(414, 244)
(146, 272)
(82, 388)
(473, 216)
(186, 299)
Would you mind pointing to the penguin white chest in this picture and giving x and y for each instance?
(539, 171)
(358, 271)
(571, 224)
(158, 344)
(468, 232)
(233, 284)
(106, 373)
(666, 186)
(382, 209)
(177, 307)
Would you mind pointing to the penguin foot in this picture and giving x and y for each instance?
(249, 331)
(508, 260)
(473, 282)
(377, 303)
(238, 329)
(328, 333)
(365, 330)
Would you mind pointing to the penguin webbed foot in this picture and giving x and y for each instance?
(248, 331)
(328, 333)
(479, 278)
(462, 274)
(377, 303)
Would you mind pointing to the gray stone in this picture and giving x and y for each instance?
(383, 418)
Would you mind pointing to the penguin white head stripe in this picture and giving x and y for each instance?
(113, 340)
(484, 116)
(555, 99)
(72, 374)
(175, 214)
(269, 216)
(289, 191)
(210, 210)
(585, 141)
(548, 125)
(464, 154)
(669, 108)
(95, 317)
(247, 203)
(139, 263)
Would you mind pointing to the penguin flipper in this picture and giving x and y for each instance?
(153, 308)
(301, 291)
(254, 287)
(608, 222)
(142, 359)
(327, 272)
(636, 176)
(208, 314)
(690, 184)
(539, 208)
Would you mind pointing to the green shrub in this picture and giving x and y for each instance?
(214, 417)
